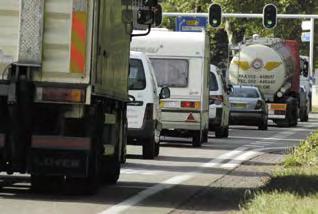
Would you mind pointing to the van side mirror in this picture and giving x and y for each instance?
(145, 17)
(165, 93)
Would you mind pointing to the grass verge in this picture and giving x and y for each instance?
(294, 187)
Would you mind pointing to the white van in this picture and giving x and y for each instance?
(219, 109)
(143, 112)
(181, 62)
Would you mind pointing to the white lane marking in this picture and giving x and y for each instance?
(240, 159)
(237, 161)
(243, 155)
(264, 138)
(139, 172)
(147, 193)
(124, 205)
(217, 161)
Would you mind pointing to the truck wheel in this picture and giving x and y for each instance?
(110, 170)
(219, 132)
(196, 139)
(148, 148)
(124, 143)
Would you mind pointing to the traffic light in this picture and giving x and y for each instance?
(270, 16)
(215, 15)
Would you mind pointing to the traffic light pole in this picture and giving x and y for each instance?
(260, 15)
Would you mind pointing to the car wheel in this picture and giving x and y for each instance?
(196, 139)
(263, 125)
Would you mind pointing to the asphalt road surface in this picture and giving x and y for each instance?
(167, 184)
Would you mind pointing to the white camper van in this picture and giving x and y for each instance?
(181, 62)
(143, 112)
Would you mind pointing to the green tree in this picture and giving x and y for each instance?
(238, 29)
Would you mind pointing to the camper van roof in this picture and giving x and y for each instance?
(164, 43)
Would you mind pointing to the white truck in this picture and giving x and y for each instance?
(181, 62)
(272, 65)
(63, 88)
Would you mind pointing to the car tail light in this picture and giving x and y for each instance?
(64, 95)
(149, 112)
(190, 104)
(217, 100)
(259, 104)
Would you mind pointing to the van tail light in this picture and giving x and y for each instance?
(191, 104)
(149, 112)
(217, 100)
(61, 95)
(259, 104)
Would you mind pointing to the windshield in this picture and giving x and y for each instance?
(171, 72)
(137, 79)
(244, 92)
(213, 82)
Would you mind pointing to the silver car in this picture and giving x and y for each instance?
(248, 107)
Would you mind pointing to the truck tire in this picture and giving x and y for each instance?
(196, 139)
(148, 148)
(124, 142)
(110, 170)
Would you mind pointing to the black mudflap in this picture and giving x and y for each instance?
(59, 157)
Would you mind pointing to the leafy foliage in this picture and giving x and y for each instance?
(238, 29)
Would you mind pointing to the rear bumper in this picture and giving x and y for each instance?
(145, 132)
(246, 117)
(181, 126)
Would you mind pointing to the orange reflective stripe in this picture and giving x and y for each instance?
(79, 42)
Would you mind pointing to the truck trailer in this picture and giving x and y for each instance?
(273, 65)
(63, 89)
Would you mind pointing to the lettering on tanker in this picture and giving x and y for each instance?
(261, 81)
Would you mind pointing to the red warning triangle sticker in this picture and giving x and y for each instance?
(190, 118)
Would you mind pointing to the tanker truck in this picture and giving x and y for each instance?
(64, 89)
(272, 65)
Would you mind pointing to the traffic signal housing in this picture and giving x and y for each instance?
(270, 16)
(215, 15)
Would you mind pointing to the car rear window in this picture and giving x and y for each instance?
(213, 82)
(171, 72)
(137, 78)
(245, 92)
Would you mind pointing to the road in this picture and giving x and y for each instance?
(173, 183)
